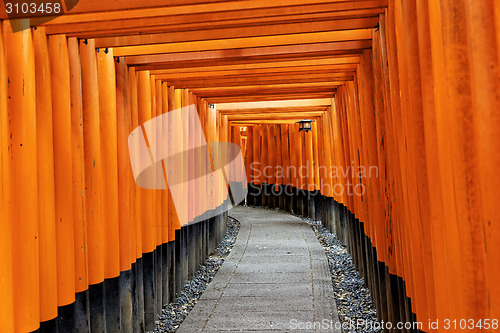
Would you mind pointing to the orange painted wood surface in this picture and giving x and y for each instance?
(93, 162)
(125, 187)
(21, 110)
(6, 265)
(46, 195)
(78, 168)
(61, 108)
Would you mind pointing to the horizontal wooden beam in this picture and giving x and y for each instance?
(265, 91)
(260, 98)
(94, 6)
(145, 26)
(222, 9)
(306, 102)
(292, 85)
(265, 121)
(342, 63)
(259, 54)
(271, 79)
(267, 72)
(229, 62)
(239, 32)
(302, 115)
(273, 110)
(236, 43)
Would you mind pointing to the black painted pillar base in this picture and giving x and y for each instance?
(150, 311)
(190, 242)
(165, 274)
(257, 195)
(250, 195)
(112, 304)
(311, 204)
(318, 205)
(158, 279)
(138, 314)
(294, 201)
(171, 271)
(126, 301)
(275, 196)
(178, 262)
(288, 198)
(96, 305)
(266, 193)
(81, 314)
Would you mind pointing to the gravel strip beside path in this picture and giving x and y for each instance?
(353, 300)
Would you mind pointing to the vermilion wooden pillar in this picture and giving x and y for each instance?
(432, 160)
(93, 181)
(78, 169)
(45, 159)
(483, 32)
(61, 102)
(108, 132)
(6, 283)
(21, 106)
(125, 197)
(147, 209)
(137, 244)
(257, 149)
(144, 102)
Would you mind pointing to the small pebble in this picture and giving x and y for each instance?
(353, 300)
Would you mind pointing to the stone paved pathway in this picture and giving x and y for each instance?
(275, 279)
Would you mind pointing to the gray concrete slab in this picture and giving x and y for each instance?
(276, 279)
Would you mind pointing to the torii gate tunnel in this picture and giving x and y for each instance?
(401, 162)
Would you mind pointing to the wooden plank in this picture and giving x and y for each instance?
(236, 43)
(277, 104)
(256, 54)
(208, 72)
(268, 79)
(265, 98)
(258, 98)
(186, 65)
(85, 30)
(303, 114)
(239, 32)
(226, 10)
(90, 6)
(274, 110)
(264, 92)
(251, 80)
(323, 84)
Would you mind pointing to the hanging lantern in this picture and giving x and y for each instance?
(304, 125)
